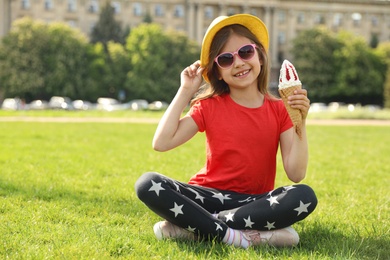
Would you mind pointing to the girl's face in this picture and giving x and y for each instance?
(242, 73)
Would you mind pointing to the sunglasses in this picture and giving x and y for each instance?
(225, 60)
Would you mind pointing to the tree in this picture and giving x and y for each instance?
(374, 41)
(361, 75)
(107, 28)
(147, 18)
(338, 67)
(118, 69)
(39, 60)
(383, 51)
(156, 59)
(313, 57)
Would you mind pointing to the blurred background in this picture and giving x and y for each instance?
(115, 55)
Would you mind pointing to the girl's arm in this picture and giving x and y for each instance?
(172, 130)
(294, 150)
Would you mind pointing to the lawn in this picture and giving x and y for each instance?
(67, 191)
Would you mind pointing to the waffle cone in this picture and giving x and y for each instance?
(295, 114)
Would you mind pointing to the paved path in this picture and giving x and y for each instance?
(155, 120)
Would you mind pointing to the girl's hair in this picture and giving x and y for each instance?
(219, 87)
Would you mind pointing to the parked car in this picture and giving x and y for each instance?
(38, 105)
(139, 104)
(317, 107)
(12, 104)
(334, 106)
(110, 104)
(82, 105)
(57, 102)
(158, 105)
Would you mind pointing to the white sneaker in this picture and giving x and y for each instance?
(285, 237)
(166, 230)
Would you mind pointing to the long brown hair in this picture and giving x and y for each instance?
(218, 87)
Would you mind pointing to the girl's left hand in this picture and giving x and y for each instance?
(300, 101)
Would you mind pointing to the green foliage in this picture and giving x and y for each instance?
(360, 78)
(148, 18)
(118, 65)
(40, 60)
(157, 58)
(339, 67)
(67, 192)
(108, 33)
(317, 66)
(107, 28)
(383, 51)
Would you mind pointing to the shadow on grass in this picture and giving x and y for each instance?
(317, 239)
(81, 200)
(330, 241)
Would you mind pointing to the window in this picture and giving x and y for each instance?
(48, 4)
(137, 9)
(116, 6)
(91, 26)
(93, 6)
(281, 38)
(301, 18)
(179, 11)
(356, 18)
(374, 21)
(253, 12)
(231, 11)
(25, 4)
(72, 23)
(209, 12)
(281, 16)
(319, 19)
(338, 19)
(72, 5)
(158, 10)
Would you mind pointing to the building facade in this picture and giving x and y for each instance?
(284, 18)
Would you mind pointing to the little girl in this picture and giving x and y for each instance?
(232, 198)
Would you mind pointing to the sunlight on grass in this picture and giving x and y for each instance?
(67, 191)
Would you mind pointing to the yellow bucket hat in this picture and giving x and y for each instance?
(254, 24)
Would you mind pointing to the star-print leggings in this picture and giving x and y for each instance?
(209, 212)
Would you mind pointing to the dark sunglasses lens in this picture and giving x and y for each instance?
(246, 52)
(225, 60)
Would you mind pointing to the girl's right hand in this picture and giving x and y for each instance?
(191, 77)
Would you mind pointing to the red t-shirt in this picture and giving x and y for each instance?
(242, 143)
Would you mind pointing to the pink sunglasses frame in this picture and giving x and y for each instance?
(234, 54)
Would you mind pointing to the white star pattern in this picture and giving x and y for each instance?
(218, 226)
(156, 187)
(248, 222)
(177, 209)
(270, 225)
(197, 197)
(191, 229)
(177, 187)
(287, 188)
(221, 197)
(229, 217)
(272, 200)
(302, 207)
(247, 200)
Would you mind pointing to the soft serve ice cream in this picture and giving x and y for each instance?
(288, 83)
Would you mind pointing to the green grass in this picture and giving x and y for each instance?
(357, 113)
(82, 114)
(67, 192)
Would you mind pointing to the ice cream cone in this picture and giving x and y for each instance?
(288, 83)
(295, 114)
